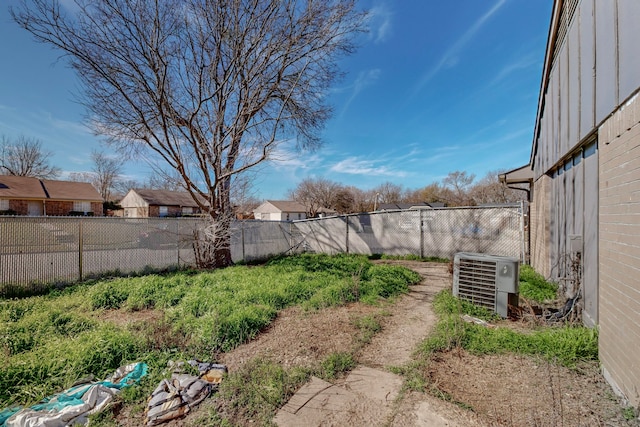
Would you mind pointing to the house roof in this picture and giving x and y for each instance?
(166, 197)
(521, 175)
(22, 187)
(69, 190)
(287, 206)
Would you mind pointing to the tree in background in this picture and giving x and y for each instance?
(105, 176)
(25, 157)
(343, 201)
(490, 190)
(211, 87)
(458, 183)
(106, 173)
(314, 194)
(388, 192)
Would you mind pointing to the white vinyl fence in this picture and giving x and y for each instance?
(38, 251)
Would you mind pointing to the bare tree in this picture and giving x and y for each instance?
(389, 192)
(105, 176)
(343, 201)
(25, 157)
(362, 200)
(122, 186)
(490, 190)
(164, 181)
(459, 182)
(315, 193)
(106, 173)
(209, 86)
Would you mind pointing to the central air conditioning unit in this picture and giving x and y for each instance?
(486, 280)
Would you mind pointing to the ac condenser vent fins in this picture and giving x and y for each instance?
(487, 281)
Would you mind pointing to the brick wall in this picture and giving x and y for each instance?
(172, 211)
(539, 211)
(619, 257)
(58, 208)
(20, 206)
(53, 208)
(97, 208)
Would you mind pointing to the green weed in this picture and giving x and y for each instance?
(254, 393)
(410, 257)
(50, 341)
(369, 326)
(534, 287)
(336, 364)
(568, 345)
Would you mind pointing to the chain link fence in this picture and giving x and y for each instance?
(421, 232)
(38, 251)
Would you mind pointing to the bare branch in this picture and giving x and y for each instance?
(210, 87)
(25, 157)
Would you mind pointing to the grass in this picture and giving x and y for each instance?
(534, 287)
(48, 342)
(410, 257)
(568, 345)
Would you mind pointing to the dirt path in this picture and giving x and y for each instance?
(370, 395)
(410, 320)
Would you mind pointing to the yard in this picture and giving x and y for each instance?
(311, 315)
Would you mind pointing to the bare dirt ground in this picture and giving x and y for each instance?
(497, 390)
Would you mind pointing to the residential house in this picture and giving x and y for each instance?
(280, 210)
(21, 195)
(585, 174)
(144, 203)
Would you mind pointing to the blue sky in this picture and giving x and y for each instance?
(436, 86)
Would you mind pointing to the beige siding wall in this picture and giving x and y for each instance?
(619, 259)
(539, 225)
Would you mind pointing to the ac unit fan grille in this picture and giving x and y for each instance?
(477, 282)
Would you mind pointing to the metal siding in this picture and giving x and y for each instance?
(548, 137)
(564, 101)
(606, 72)
(562, 223)
(587, 66)
(578, 200)
(555, 117)
(629, 46)
(569, 203)
(590, 238)
(574, 84)
(553, 220)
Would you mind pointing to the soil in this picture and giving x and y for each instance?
(466, 390)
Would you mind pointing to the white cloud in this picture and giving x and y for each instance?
(379, 23)
(286, 157)
(521, 63)
(451, 55)
(357, 166)
(365, 78)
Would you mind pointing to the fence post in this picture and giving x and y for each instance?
(346, 221)
(178, 240)
(523, 248)
(242, 240)
(80, 249)
(421, 234)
